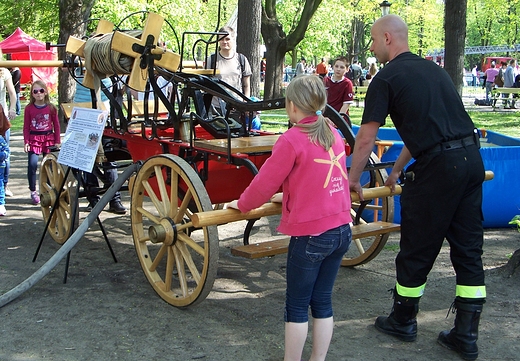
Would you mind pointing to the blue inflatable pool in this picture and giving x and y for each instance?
(501, 155)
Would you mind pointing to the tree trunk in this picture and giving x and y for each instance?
(455, 36)
(275, 43)
(358, 34)
(513, 264)
(72, 14)
(248, 38)
(278, 43)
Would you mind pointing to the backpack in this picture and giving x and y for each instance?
(5, 124)
(241, 60)
(499, 79)
(482, 102)
(356, 71)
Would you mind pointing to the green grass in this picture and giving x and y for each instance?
(17, 123)
(507, 123)
(500, 122)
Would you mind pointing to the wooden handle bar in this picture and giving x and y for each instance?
(32, 63)
(221, 216)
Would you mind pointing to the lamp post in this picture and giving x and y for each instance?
(385, 7)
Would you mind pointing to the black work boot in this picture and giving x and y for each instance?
(116, 207)
(401, 322)
(463, 337)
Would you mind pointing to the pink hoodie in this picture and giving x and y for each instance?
(316, 194)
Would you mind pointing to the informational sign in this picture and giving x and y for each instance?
(82, 138)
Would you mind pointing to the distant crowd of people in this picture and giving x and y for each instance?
(358, 74)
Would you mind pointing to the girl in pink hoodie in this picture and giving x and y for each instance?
(309, 162)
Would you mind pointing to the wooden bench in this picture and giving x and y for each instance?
(68, 107)
(138, 108)
(279, 246)
(359, 93)
(191, 67)
(496, 94)
(245, 145)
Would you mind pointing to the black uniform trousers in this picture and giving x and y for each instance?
(443, 199)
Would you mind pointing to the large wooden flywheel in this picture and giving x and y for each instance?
(55, 191)
(381, 209)
(179, 261)
(367, 247)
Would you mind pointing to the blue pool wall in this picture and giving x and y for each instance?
(501, 195)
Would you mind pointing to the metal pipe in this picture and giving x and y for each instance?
(72, 241)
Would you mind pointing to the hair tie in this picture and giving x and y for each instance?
(318, 112)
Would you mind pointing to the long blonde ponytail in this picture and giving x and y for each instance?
(309, 95)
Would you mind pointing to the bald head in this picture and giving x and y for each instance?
(389, 37)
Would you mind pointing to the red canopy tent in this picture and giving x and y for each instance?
(21, 46)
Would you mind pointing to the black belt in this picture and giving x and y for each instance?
(41, 132)
(452, 144)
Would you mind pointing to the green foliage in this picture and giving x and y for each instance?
(37, 18)
(516, 220)
(331, 31)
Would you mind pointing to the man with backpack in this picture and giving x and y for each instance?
(357, 71)
(234, 68)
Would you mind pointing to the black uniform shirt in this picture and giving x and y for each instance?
(422, 102)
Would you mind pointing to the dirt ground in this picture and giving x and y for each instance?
(108, 311)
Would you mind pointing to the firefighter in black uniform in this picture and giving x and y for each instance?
(442, 195)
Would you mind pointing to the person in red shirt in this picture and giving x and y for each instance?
(340, 92)
(322, 69)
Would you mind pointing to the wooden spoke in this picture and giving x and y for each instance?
(129, 45)
(183, 207)
(162, 189)
(182, 272)
(159, 257)
(380, 209)
(147, 214)
(181, 265)
(189, 261)
(169, 270)
(154, 198)
(189, 242)
(66, 215)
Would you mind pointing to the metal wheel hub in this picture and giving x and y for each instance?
(47, 199)
(163, 232)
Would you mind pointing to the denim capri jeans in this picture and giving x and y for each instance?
(312, 266)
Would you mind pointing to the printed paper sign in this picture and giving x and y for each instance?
(82, 138)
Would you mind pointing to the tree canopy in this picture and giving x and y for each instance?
(338, 27)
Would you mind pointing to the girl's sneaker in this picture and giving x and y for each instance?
(35, 197)
(3, 212)
(8, 192)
